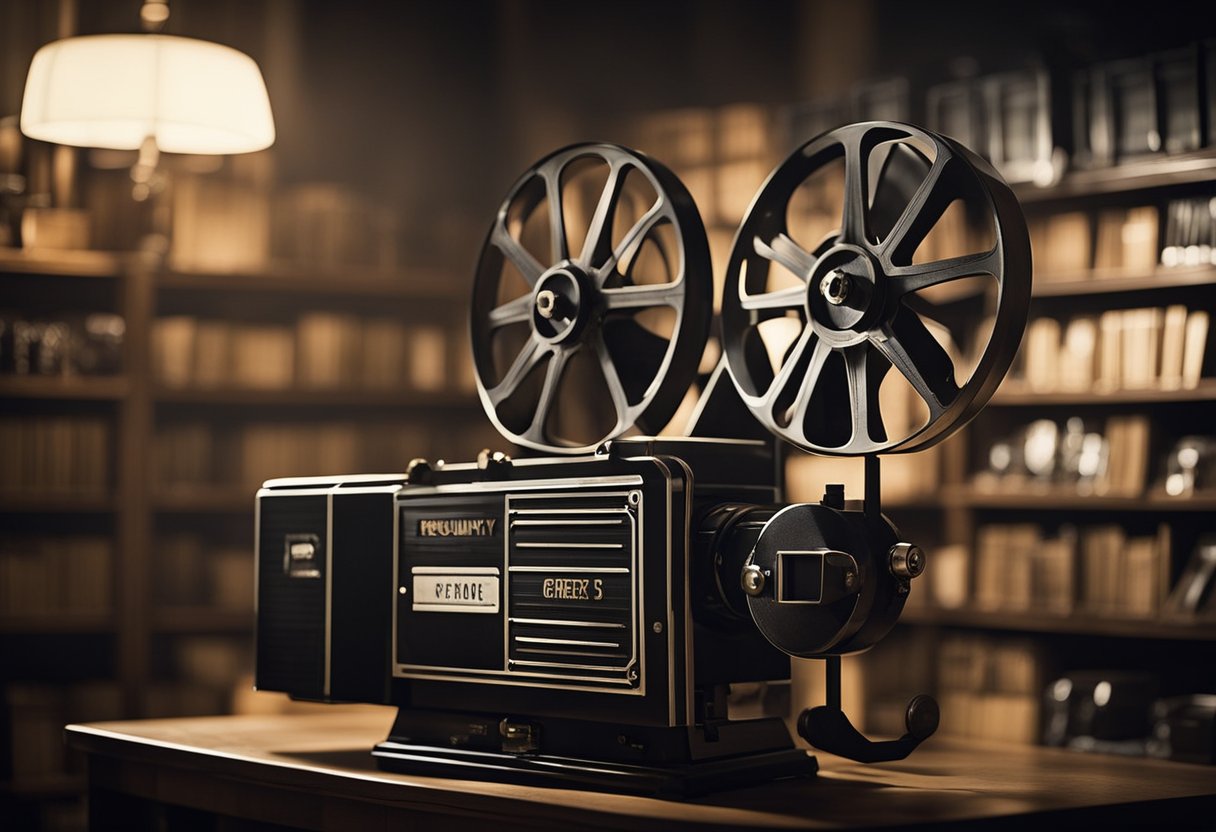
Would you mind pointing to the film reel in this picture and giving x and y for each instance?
(863, 291)
(597, 256)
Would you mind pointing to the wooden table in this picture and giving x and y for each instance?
(315, 772)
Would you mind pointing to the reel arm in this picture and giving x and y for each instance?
(828, 728)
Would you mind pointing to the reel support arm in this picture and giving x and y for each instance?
(828, 728)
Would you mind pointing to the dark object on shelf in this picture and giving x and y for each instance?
(578, 618)
(1085, 708)
(1006, 117)
(1195, 594)
(1135, 108)
(1184, 729)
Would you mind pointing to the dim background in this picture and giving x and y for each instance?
(303, 310)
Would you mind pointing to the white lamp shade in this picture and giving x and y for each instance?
(114, 91)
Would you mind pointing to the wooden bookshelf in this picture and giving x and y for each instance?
(203, 620)
(79, 388)
(1018, 395)
(59, 622)
(1059, 500)
(1114, 282)
(1044, 622)
(1148, 174)
(59, 503)
(305, 282)
(297, 398)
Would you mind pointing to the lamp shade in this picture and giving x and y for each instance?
(114, 91)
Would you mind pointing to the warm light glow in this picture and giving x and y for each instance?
(113, 91)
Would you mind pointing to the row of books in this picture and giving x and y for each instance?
(323, 350)
(191, 570)
(1096, 570)
(722, 155)
(224, 224)
(67, 345)
(44, 576)
(989, 688)
(1076, 245)
(60, 455)
(33, 719)
(1120, 349)
(1046, 456)
(200, 453)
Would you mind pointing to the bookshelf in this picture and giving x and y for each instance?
(1081, 634)
(161, 646)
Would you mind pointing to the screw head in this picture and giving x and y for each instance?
(402, 590)
(657, 627)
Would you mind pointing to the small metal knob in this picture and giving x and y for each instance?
(752, 580)
(418, 471)
(907, 560)
(492, 461)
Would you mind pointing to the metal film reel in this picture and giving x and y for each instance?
(860, 291)
(597, 256)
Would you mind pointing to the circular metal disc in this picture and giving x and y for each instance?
(857, 295)
(608, 220)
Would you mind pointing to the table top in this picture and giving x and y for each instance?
(308, 759)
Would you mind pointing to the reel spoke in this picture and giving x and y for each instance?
(788, 371)
(595, 246)
(819, 357)
(633, 238)
(923, 210)
(912, 350)
(557, 215)
(790, 298)
(853, 220)
(528, 358)
(784, 251)
(529, 267)
(905, 280)
(616, 389)
(855, 361)
(512, 312)
(548, 394)
(641, 297)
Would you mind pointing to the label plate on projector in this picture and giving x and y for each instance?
(455, 590)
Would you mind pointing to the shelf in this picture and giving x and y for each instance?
(58, 503)
(357, 282)
(1016, 395)
(1045, 622)
(59, 622)
(296, 397)
(1101, 283)
(203, 620)
(79, 388)
(105, 264)
(1183, 169)
(204, 500)
(1071, 501)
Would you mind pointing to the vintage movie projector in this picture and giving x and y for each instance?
(576, 615)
